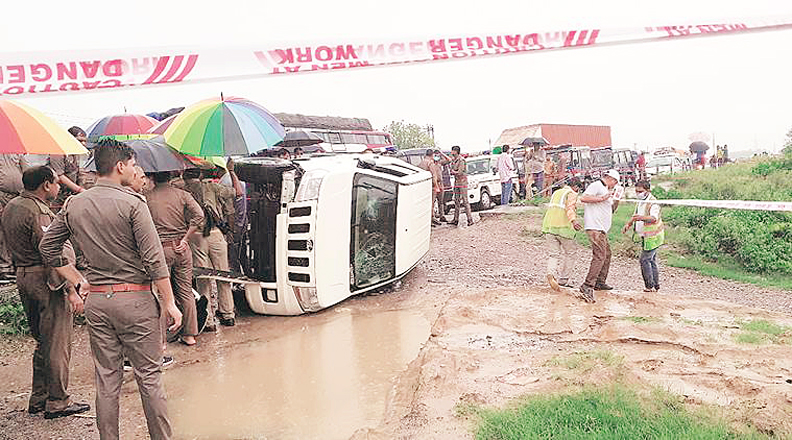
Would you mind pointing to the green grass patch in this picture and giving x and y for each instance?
(615, 412)
(762, 331)
(764, 326)
(725, 268)
(641, 319)
(536, 201)
(12, 319)
(584, 361)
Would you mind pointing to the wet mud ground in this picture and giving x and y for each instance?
(474, 323)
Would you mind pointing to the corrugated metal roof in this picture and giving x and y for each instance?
(559, 134)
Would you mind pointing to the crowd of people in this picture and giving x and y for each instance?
(600, 200)
(121, 247)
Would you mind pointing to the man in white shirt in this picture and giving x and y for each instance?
(597, 220)
(505, 170)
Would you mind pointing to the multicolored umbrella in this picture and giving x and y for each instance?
(223, 127)
(25, 130)
(120, 126)
(163, 125)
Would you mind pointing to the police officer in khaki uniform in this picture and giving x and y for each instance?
(209, 247)
(177, 216)
(48, 301)
(67, 169)
(459, 171)
(113, 227)
(11, 168)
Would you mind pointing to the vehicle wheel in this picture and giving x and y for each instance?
(486, 201)
(514, 196)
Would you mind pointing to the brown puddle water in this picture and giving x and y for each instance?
(325, 380)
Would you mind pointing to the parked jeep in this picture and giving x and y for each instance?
(484, 187)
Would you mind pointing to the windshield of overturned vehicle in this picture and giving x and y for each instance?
(372, 248)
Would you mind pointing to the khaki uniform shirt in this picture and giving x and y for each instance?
(173, 211)
(68, 165)
(24, 221)
(535, 160)
(219, 198)
(459, 170)
(432, 167)
(113, 228)
(11, 168)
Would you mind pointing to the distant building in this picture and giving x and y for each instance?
(593, 136)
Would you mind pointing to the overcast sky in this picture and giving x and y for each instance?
(657, 94)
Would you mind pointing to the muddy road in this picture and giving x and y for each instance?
(474, 323)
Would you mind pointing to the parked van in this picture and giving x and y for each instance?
(329, 226)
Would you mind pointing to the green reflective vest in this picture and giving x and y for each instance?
(653, 233)
(555, 220)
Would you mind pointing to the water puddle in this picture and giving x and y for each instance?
(325, 380)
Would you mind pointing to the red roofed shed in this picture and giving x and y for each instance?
(594, 136)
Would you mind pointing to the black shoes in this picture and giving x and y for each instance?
(74, 408)
(35, 409)
(228, 322)
(602, 287)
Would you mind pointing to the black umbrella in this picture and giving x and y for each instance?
(698, 147)
(531, 141)
(153, 155)
(299, 138)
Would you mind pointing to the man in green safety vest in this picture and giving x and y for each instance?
(649, 226)
(559, 226)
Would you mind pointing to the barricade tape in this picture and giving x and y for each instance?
(750, 205)
(31, 74)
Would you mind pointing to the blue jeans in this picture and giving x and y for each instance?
(539, 180)
(506, 190)
(651, 274)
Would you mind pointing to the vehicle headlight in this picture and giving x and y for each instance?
(310, 185)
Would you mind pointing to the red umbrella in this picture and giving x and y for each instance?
(120, 125)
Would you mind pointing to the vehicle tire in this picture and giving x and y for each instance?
(486, 200)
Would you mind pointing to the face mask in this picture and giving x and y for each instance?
(643, 195)
(437, 158)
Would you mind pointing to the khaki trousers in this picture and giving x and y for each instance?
(600, 260)
(50, 319)
(437, 198)
(212, 252)
(560, 249)
(127, 323)
(181, 275)
(461, 198)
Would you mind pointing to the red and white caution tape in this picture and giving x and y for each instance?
(751, 205)
(30, 74)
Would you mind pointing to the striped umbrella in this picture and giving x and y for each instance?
(163, 125)
(24, 130)
(223, 127)
(120, 126)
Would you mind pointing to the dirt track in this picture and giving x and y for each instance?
(498, 332)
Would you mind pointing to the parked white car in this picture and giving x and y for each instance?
(484, 187)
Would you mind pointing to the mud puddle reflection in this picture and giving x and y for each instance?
(324, 380)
